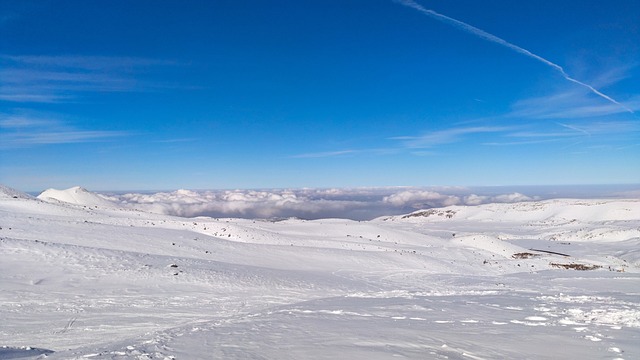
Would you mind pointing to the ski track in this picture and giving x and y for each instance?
(89, 281)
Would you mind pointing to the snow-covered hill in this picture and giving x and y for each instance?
(77, 196)
(556, 210)
(535, 280)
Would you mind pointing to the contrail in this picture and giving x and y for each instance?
(575, 128)
(489, 37)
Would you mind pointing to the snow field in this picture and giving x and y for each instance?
(82, 279)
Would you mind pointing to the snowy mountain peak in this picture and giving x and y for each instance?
(76, 195)
(79, 189)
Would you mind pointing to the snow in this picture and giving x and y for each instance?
(84, 278)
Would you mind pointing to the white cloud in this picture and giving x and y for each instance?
(325, 154)
(593, 130)
(419, 199)
(569, 104)
(374, 151)
(21, 121)
(474, 199)
(510, 198)
(31, 129)
(22, 96)
(521, 142)
(447, 136)
(54, 79)
(84, 62)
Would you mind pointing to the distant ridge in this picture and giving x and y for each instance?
(535, 211)
(7, 193)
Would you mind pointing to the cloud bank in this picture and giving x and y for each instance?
(356, 204)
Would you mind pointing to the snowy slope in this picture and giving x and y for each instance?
(85, 279)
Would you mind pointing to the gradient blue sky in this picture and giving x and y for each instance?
(123, 95)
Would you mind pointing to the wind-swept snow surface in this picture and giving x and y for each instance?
(85, 279)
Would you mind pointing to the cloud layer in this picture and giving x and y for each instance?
(356, 204)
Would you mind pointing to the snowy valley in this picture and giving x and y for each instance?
(84, 278)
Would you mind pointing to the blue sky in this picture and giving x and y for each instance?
(125, 95)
